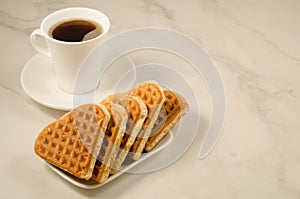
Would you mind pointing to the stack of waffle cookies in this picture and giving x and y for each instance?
(93, 140)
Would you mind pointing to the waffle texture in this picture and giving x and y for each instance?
(72, 142)
(172, 111)
(137, 112)
(111, 141)
(93, 140)
(153, 96)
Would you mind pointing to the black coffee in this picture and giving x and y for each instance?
(75, 30)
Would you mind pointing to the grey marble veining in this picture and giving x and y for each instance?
(255, 45)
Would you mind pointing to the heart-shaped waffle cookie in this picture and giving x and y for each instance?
(137, 112)
(72, 142)
(153, 96)
(172, 111)
(111, 141)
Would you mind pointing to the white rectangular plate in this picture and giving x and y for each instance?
(91, 184)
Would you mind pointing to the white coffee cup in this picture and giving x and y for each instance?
(67, 57)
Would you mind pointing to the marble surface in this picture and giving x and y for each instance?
(255, 44)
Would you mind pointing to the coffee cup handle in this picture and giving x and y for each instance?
(36, 38)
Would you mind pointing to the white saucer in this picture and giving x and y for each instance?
(39, 82)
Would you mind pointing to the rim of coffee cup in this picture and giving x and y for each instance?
(105, 23)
